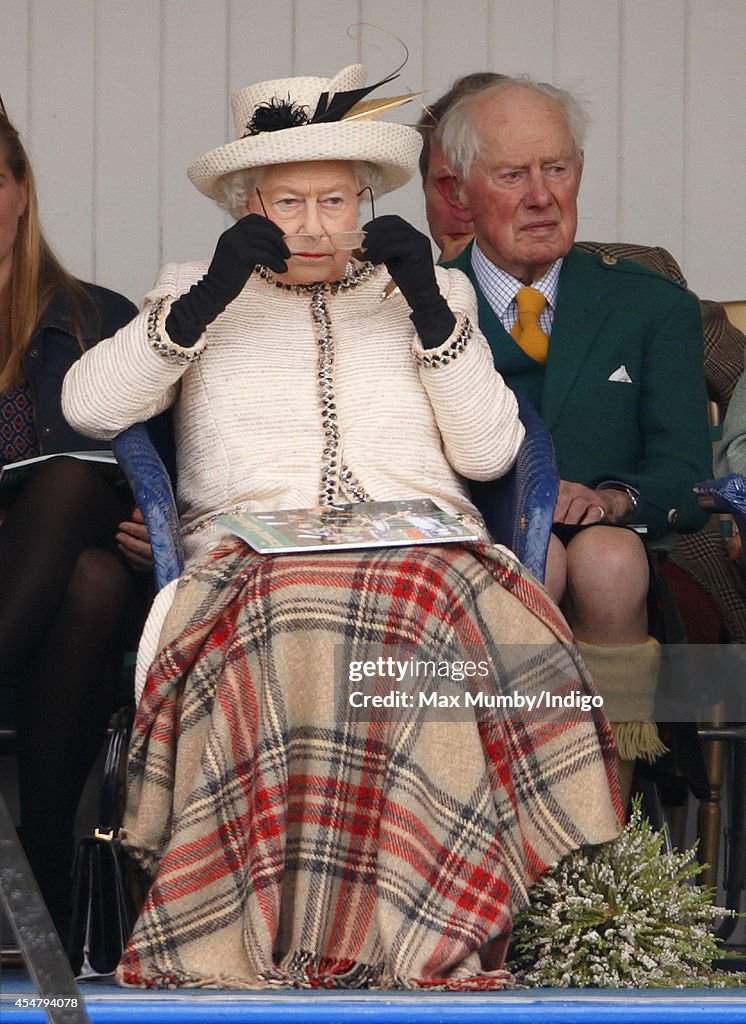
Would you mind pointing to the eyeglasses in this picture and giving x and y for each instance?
(344, 240)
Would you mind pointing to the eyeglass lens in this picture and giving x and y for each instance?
(344, 240)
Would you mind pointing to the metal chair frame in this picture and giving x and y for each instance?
(729, 496)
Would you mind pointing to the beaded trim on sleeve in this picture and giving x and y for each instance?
(162, 346)
(453, 351)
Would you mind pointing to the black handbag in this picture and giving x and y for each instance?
(104, 904)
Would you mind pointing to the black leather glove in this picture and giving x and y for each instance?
(251, 242)
(409, 259)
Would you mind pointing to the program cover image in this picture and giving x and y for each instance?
(365, 524)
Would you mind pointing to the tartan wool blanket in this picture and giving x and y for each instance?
(295, 843)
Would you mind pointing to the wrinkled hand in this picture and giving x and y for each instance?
(734, 547)
(134, 543)
(252, 241)
(706, 501)
(578, 505)
(408, 257)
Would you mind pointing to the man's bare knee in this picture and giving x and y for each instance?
(607, 582)
(607, 557)
(555, 576)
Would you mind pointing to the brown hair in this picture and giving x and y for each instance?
(434, 112)
(36, 273)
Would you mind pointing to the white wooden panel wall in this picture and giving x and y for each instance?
(63, 124)
(127, 195)
(715, 146)
(652, 125)
(115, 98)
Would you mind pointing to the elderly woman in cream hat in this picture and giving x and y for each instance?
(292, 838)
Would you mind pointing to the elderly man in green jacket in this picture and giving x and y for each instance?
(609, 352)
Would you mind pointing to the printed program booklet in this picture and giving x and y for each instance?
(365, 524)
(13, 474)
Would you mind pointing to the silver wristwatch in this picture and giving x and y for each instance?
(632, 493)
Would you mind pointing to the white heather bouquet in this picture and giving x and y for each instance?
(625, 914)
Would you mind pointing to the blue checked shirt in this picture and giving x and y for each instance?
(501, 288)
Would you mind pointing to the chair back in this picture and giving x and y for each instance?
(517, 508)
(154, 496)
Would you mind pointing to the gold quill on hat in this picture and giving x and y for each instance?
(368, 110)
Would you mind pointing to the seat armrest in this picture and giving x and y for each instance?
(154, 496)
(518, 508)
(729, 495)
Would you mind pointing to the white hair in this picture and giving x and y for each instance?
(457, 131)
(232, 191)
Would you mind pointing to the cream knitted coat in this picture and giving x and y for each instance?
(253, 429)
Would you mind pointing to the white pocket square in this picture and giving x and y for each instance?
(621, 375)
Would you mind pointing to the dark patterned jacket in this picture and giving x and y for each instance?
(53, 350)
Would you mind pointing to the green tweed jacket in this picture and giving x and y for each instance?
(623, 393)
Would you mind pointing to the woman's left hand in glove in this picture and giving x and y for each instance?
(409, 259)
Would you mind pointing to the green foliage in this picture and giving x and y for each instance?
(625, 914)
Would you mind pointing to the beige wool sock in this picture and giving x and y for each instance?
(626, 678)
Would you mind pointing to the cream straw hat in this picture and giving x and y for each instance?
(293, 119)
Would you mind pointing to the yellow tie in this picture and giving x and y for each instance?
(526, 330)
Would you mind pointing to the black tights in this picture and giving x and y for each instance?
(66, 603)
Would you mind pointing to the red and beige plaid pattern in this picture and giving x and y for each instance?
(296, 845)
